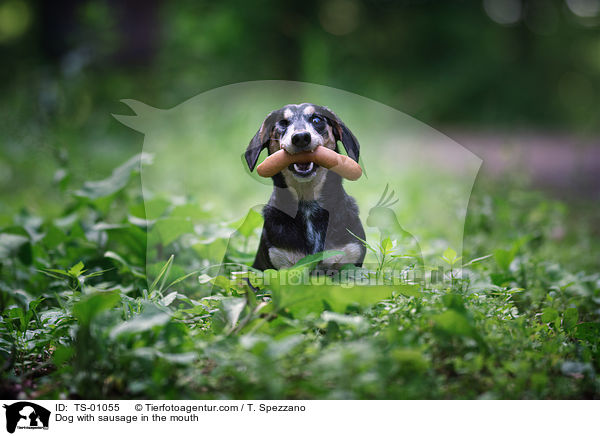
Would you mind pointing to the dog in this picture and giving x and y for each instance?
(309, 211)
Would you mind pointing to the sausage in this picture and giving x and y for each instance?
(325, 157)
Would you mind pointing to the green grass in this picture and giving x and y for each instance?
(80, 318)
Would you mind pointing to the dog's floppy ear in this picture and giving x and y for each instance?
(260, 140)
(342, 133)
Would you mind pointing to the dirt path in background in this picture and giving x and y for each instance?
(563, 164)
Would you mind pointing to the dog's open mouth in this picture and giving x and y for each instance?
(303, 169)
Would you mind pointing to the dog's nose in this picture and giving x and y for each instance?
(301, 140)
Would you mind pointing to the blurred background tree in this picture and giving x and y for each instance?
(499, 65)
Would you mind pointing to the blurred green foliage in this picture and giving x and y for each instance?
(443, 62)
(66, 65)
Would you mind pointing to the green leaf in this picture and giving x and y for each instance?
(300, 300)
(588, 331)
(153, 208)
(54, 237)
(314, 259)
(22, 297)
(167, 230)
(15, 245)
(478, 259)
(410, 360)
(204, 278)
(61, 355)
(126, 266)
(117, 181)
(549, 315)
(163, 274)
(190, 211)
(145, 321)
(227, 317)
(450, 256)
(181, 358)
(17, 313)
(455, 302)
(408, 290)
(456, 323)
(55, 273)
(181, 279)
(342, 319)
(168, 299)
(212, 249)
(76, 270)
(252, 221)
(127, 235)
(386, 245)
(222, 282)
(93, 304)
(504, 258)
(570, 318)
(284, 346)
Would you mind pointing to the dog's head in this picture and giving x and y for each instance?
(297, 128)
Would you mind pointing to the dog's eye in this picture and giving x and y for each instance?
(282, 124)
(317, 121)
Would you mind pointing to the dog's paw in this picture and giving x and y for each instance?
(281, 258)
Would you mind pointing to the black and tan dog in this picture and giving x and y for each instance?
(309, 211)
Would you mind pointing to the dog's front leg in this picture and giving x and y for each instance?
(282, 258)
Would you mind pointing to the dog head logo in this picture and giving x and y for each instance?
(200, 165)
(26, 415)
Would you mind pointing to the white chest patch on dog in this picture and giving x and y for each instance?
(313, 238)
